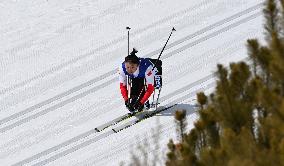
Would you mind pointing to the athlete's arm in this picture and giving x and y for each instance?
(122, 83)
(149, 75)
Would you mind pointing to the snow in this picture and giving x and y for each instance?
(58, 63)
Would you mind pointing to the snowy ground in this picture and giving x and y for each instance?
(58, 63)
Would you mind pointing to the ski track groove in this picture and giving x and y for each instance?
(64, 28)
(213, 26)
(123, 146)
(73, 119)
(90, 53)
(110, 73)
(54, 107)
(216, 33)
(224, 49)
(57, 97)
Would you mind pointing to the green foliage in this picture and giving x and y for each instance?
(180, 119)
(242, 122)
(172, 158)
(271, 14)
(202, 99)
(254, 53)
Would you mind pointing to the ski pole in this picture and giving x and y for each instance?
(173, 29)
(128, 29)
(164, 47)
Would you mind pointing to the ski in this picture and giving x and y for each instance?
(117, 120)
(140, 117)
(113, 122)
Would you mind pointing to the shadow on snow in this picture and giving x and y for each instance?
(190, 109)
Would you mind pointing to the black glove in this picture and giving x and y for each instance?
(129, 106)
(138, 106)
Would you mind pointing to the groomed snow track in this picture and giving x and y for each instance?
(68, 146)
(88, 87)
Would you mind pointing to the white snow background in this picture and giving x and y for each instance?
(58, 80)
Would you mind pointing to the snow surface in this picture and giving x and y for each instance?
(58, 63)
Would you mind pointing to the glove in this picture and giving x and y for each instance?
(138, 106)
(129, 106)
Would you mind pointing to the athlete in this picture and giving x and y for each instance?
(141, 75)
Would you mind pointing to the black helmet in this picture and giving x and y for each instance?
(132, 58)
